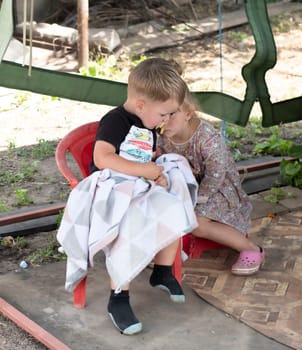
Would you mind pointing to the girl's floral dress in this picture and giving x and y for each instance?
(220, 187)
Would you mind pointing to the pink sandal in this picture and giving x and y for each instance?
(248, 262)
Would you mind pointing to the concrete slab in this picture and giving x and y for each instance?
(293, 198)
(192, 325)
(262, 208)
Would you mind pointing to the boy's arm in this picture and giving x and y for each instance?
(104, 156)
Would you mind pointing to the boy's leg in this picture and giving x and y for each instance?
(162, 276)
(167, 255)
(121, 313)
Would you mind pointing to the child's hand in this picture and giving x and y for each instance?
(152, 171)
(162, 181)
(158, 153)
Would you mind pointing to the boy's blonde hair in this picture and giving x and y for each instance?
(157, 79)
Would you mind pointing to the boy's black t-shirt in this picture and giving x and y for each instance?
(114, 128)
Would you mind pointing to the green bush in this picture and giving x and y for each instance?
(291, 170)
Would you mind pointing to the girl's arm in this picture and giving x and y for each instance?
(158, 153)
(215, 156)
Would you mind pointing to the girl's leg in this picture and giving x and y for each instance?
(120, 311)
(251, 255)
(224, 234)
(162, 276)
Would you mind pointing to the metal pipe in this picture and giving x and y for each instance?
(83, 37)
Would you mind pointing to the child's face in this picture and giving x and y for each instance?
(154, 113)
(177, 124)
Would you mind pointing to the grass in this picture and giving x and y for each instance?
(3, 207)
(22, 197)
(49, 253)
(18, 242)
(19, 170)
(25, 173)
(276, 194)
(41, 150)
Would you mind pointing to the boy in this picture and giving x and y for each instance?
(126, 206)
(126, 142)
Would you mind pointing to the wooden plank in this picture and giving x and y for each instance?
(28, 227)
(158, 39)
(6, 219)
(261, 165)
(32, 328)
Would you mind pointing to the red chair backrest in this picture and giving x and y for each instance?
(79, 143)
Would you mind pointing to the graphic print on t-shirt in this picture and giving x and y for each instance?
(137, 145)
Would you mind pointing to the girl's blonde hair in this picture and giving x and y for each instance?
(190, 104)
(157, 79)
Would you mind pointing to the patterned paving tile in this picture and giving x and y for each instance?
(269, 301)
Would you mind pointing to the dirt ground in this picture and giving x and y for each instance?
(30, 118)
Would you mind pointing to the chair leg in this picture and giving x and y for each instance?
(79, 294)
(194, 247)
(176, 268)
(186, 243)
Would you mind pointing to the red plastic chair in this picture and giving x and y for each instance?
(195, 246)
(79, 143)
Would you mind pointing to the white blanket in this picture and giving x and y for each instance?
(129, 218)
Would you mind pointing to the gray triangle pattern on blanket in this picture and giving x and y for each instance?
(130, 219)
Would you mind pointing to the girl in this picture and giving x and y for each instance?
(223, 209)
